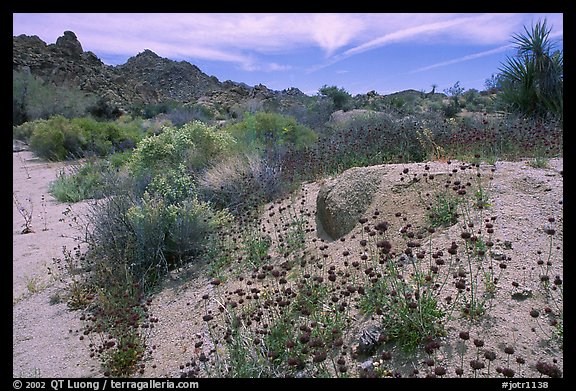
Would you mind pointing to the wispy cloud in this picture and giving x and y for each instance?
(406, 34)
(434, 29)
(249, 40)
(462, 59)
(238, 38)
(474, 56)
(265, 67)
(417, 28)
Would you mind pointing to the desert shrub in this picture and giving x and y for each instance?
(156, 124)
(102, 109)
(375, 138)
(191, 226)
(435, 106)
(173, 185)
(119, 159)
(59, 138)
(90, 179)
(34, 99)
(365, 120)
(341, 98)
(317, 114)
(508, 137)
(409, 104)
(104, 138)
(241, 181)
(24, 131)
(194, 144)
(451, 109)
(144, 237)
(151, 110)
(83, 181)
(187, 113)
(176, 112)
(241, 109)
(268, 130)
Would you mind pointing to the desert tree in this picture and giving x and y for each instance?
(340, 97)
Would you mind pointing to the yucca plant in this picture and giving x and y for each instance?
(533, 80)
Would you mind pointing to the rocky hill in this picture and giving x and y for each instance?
(66, 63)
(144, 79)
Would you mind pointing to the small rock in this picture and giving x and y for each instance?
(368, 341)
(405, 259)
(367, 365)
(521, 296)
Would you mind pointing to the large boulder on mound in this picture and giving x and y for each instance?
(343, 200)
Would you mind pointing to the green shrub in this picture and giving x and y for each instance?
(33, 98)
(268, 130)
(105, 138)
(24, 131)
(119, 159)
(59, 138)
(150, 235)
(340, 97)
(193, 145)
(174, 185)
(82, 182)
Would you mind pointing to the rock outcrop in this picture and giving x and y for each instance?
(65, 63)
(343, 200)
(175, 80)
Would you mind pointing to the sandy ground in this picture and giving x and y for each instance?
(45, 336)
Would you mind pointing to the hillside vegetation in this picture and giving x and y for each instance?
(195, 180)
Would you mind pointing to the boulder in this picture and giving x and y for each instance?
(341, 201)
(69, 44)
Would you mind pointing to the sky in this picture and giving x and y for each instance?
(358, 52)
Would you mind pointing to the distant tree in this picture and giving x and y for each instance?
(493, 84)
(454, 92)
(340, 97)
(533, 80)
(432, 92)
(104, 110)
(32, 98)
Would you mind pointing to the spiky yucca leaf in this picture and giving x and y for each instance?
(532, 82)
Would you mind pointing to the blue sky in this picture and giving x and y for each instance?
(359, 52)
